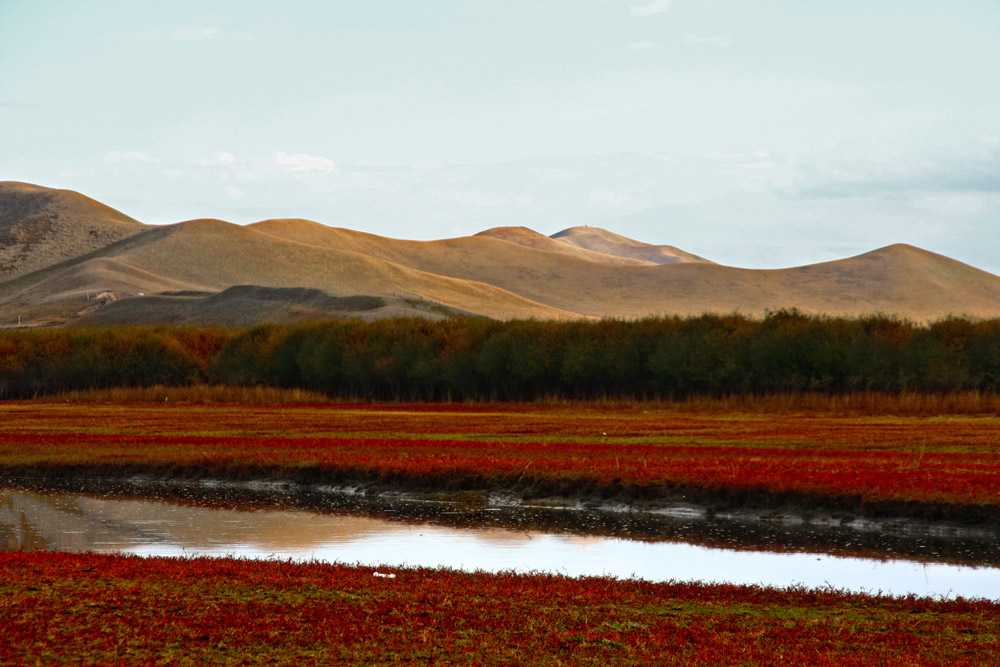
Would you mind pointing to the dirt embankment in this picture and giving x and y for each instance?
(476, 489)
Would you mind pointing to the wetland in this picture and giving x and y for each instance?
(283, 521)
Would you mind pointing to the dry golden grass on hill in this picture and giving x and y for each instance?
(600, 240)
(529, 238)
(63, 250)
(40, 227)
(898, 279)
(210, 256)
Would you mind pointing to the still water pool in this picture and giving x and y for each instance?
(71, 522)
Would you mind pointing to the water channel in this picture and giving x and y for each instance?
(684, 544)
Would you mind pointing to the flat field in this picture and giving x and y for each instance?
(932, 467)
(106, 609)
(123, 610)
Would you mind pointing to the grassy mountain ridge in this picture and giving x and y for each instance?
(66, 256)
(42, 226)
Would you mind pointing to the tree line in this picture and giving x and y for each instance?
(479, 359)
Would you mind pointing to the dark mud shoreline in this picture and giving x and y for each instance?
(712, 501)
(786, 527)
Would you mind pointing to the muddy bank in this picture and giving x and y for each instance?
(842, 509)
(776, 528)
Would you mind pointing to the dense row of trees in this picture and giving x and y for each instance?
(43, 361)
(481, 359)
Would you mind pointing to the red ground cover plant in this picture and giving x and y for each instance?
(622, 452)
(872, 475)
(60, 608)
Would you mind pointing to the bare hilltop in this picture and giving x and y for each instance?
(67, 259)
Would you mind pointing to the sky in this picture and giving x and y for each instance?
(756, 133)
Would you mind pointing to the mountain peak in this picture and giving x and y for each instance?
(610, 243)
(532, 239)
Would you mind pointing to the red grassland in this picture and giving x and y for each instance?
(926, 466)
(122, 610)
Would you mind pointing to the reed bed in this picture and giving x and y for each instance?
(193, 394)
(857, 403)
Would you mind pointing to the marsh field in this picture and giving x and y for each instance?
(551, 332)
(94, 574)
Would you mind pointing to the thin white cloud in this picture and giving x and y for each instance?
(471, 198)
(116, 157)
(954, 205)
(610, 198)
(191, 33)
(303, 162)
(17, 104)
(220, 158)
(969, 173)
(650, 8)
(555, 174)
(707, 40)
(640, 46)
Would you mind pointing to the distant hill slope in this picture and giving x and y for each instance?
(211, 256)
(41, 226)
(577, 280)
(609, 243)
(245, 305)
(71, 259)
(532, 239)
(899, 279)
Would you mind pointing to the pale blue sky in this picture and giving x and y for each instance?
(758, 133)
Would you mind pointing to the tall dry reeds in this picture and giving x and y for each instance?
(860, 403)
(910, 403)
(199, 393)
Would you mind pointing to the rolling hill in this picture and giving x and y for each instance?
(67, 259)
(41, 226)
(609, 243)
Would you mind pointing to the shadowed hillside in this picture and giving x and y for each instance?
(247, 305)
(41, 226)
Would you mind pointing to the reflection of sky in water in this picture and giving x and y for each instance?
(434, 546)
(155, 528)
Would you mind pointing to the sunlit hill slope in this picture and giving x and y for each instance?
(65, 258)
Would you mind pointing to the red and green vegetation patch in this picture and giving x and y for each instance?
(630, 453)
(583, 423)
(639, 470)
(622, 452)
(63, 608)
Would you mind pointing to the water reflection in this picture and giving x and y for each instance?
(884, 539)
(74, 522)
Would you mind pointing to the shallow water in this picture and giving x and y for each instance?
(73, 522)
